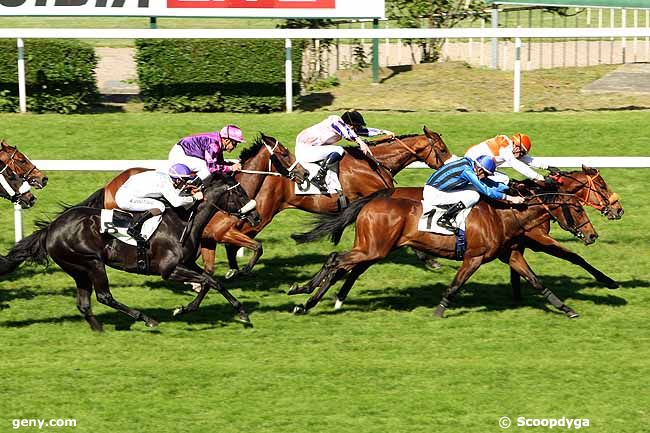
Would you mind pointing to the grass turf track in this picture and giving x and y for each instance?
(383, 363)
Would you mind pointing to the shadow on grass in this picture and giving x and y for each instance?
(213, 315)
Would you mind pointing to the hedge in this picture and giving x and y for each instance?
(60, 76)
(214, 75)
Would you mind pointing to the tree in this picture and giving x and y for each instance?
(433, 14)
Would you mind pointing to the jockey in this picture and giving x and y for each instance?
(460, 184)
(512, 150)
(141, 191)
(203, 153)
(317, 142)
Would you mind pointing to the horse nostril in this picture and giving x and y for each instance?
(44, 181)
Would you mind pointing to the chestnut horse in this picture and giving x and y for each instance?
(386, 223)
(21, 165)
(590, 189)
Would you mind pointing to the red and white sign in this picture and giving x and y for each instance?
(197, 8)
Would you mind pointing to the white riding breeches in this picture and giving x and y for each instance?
(499, 177)
(197, 165)
(306, 153)
(126, 201)
(433, 196)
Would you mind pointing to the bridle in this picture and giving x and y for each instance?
(432, 149)
(274, 161)
(24, 176)
(570, 225)
(604, 201)
(13, 195)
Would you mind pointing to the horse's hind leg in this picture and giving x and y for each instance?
(234, 239)
(104, 295)
(84, 290)
(352, 278)
(519, 264)
(309, 287)
(469, 266)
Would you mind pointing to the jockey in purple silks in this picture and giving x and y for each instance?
(203, 153)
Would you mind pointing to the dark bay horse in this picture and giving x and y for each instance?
(12, 188)
(590, 189)
(21, 165)
(74, 242)
(385, 223)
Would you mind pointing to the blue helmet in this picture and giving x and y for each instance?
(487, 163)
(180, 171)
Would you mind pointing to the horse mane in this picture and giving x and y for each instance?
(252, 150)
(356, 152)
(385, 139)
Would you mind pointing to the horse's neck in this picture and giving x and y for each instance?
(393, 156)
(516, 221)
(252, 183)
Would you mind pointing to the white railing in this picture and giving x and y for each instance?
(119, 165)
(289, 34)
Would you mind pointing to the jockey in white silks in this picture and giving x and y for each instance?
(141, 193)
(513, 150)
(318, 142)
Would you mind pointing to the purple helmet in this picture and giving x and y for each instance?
(180, 171)
(233, 132)
(487, 163)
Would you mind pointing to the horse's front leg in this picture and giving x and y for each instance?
(519, 264)
(469, 266)
(235, 239)
(316, 280)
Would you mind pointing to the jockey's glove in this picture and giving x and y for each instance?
(553, 169)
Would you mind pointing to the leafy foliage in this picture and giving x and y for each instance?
(60, 76)
(212, 76)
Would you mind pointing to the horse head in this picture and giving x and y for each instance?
(226, 194)
(442, 152)
(591, 189)
(14, 188)
(284, 161)
(21, 165)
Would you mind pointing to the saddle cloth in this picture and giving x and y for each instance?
(115, 222)
(428, 221)
(331, 180)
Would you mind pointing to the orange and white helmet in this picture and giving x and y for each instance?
(522, 140)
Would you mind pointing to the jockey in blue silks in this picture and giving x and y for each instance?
(460, 184)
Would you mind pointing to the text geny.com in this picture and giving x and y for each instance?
(40, 423)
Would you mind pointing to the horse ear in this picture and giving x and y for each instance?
(427, 131)
(588, 170)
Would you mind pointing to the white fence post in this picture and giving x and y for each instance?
(288, 72)
(22, 92)
(18, 222)
(517, 92)
(495, 41)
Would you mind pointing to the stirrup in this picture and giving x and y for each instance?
(446, 223)
(320, 184)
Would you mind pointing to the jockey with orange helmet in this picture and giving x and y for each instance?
(513, 150)
(203, 153)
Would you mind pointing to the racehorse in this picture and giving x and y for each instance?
(14, 188)
(74, 242)
(358, 175)
(385, 223)
(21, 165)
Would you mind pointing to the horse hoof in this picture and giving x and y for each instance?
(299, 310)
(572, 314)
(244, 320)
(232, 273)
(440, 312)
(178, 311)
(196, 287)
(294, 289)
(151, 323)
(432, 265)
(338, 304)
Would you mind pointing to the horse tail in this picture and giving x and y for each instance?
(31, 248)
(335, 225)
(95, 200)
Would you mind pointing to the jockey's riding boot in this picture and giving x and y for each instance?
(136, 225)
(447, 217)
(319, 179)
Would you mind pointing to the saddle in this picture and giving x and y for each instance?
(331, 181)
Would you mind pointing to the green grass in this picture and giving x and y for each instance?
(383, 363)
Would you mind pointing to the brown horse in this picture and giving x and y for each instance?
(386, 223)
(590, 189)
(358, 175)
(21, 165)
